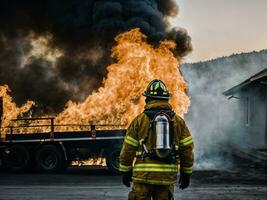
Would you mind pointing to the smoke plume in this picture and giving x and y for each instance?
(75, 37)
(213, 119)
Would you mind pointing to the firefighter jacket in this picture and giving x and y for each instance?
(153, 171)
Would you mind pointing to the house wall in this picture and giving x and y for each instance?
(265, 100)
(254, 115)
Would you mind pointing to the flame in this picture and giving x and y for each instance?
(119, 100)
(101, 161)
(11, 110)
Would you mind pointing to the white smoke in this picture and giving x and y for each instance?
(212, 116)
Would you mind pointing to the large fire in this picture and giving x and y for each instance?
(120, 99)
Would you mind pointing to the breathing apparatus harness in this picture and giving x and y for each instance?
(161, 125)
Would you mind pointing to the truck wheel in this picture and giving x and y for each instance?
(113, 160)
(17, 158)
(49, 159)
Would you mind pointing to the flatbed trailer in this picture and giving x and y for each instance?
(52, 151)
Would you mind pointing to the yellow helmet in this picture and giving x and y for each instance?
(156, 89)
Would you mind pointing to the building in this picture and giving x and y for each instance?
(252, 109)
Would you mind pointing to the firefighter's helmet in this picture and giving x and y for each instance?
(157, 90)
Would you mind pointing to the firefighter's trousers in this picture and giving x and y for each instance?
(142, 191)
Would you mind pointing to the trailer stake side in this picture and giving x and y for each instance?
(33, 143)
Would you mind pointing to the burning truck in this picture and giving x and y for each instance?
(95, 127)
(53, 151)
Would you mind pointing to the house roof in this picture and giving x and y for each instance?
(247, 82)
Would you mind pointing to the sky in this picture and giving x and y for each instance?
(223, 27)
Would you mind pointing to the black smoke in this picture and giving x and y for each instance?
(84, 31)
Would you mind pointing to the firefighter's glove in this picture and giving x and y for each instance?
(184, 180)
(127, 178)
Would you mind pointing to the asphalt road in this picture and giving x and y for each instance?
(87, 183)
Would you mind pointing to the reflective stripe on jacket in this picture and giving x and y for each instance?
(152, 171)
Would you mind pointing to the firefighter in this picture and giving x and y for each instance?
(156, 143)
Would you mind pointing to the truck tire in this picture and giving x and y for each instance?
(17, 158)
(113, 160)
(50, 159)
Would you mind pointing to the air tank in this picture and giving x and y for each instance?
(162, 131)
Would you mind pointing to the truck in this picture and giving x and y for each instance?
(24, 147)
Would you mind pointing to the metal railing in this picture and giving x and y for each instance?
(51, 127)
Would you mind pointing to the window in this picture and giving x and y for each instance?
(247, 111)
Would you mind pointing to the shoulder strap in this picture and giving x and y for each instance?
(152, 112)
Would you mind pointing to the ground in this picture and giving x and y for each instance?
(245, 182)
